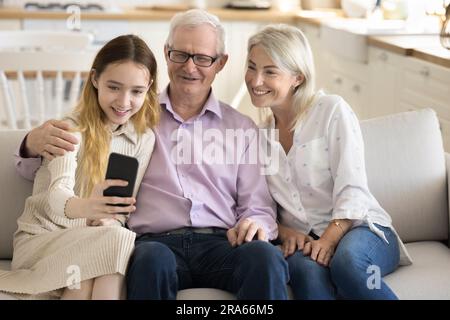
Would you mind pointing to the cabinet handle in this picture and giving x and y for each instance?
(356, 88)
(383, 56)
(425, 72)
(338, 80)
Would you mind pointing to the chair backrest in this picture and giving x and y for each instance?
(406, 170)
(44, 40)
(36, 86)
(41, 73)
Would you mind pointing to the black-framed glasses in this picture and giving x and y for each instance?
(201, 60)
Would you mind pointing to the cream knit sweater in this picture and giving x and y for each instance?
(51, 251)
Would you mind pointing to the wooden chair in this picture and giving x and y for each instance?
(41, 74)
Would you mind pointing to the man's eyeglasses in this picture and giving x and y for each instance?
(200, 60)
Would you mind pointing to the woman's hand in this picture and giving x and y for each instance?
(291, 240)
(97, 206)
(320, 250)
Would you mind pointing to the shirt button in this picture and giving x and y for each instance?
(288, 179)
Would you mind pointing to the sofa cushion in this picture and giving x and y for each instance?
(428, 277)
(13, 192)
(406, 171)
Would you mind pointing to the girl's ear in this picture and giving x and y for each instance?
(93, 78)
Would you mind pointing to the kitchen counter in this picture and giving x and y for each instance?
(164, 13)
(424, 47)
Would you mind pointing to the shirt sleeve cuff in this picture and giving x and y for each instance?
(26, 167)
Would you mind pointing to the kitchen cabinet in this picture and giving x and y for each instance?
(10, 24)
(312, 33)
(338, 75)
(350, 80)
(426, 85)
(384, 70)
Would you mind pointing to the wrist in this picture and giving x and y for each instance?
(74, 208)
(26, 150)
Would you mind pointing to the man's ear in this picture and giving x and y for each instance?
(221, 62)
(166, 52)
(93, 78)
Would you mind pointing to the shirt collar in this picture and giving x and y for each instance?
(128, 130)
(211, 104)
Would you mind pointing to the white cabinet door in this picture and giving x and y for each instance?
(349, 79)
(384, 69)
(312, 33)
(425, 85)
(229, 80)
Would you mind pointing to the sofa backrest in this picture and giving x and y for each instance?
(406, 170)
(13, 190)
(405, 167)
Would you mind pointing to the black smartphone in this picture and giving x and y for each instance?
(124, 168)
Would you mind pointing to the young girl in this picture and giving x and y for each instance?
(70, 241)
(333, 232)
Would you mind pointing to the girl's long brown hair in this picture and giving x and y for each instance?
(92, 121)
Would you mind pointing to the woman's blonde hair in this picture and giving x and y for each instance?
(289, 49)
(92, 121)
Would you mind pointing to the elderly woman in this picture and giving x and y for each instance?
(337, 239)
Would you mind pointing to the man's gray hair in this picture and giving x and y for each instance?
(196, 17)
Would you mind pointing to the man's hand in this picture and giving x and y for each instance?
(320, 250)
(49, 140)
(244, 231)
(291, 240)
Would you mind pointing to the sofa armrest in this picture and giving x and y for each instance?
(447, 163)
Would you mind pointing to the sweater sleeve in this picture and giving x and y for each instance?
(62, 179)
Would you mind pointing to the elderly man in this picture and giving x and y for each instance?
(201, 221)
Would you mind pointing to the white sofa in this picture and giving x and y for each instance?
(407, 172)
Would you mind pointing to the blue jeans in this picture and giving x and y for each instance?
(355, 271)
(163, 264)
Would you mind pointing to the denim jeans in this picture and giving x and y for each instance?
(355, 271)
(163, 264)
